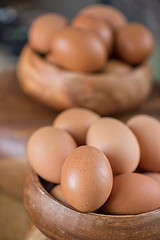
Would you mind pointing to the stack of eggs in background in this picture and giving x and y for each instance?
(100, 163)
(96, 34)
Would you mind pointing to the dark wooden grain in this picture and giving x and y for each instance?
(60, 222)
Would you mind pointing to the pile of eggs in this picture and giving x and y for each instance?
(100, 163)
(96, 34)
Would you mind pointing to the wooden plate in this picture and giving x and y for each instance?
(60, 222)
(105, 93)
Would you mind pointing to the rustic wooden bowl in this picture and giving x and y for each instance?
(105, 93)
(60, 222)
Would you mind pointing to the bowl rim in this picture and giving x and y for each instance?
(114, 216)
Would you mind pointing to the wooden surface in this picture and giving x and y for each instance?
(34, 234)
(19, 117)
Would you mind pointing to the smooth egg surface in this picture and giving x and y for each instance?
(58, 194)
(154, 175)
(47, 149)
(113, 16)
(133, 193)
(97, 25)
(134, 43)
(76, 121)
(117, 142)
(79, 50)
(42, 30)
(147, 132)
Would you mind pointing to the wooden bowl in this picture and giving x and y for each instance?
(104, 93)
(60, 222)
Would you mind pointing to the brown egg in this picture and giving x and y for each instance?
(112, 15)
(47, 149)
(78, 50)
(86, 178)
(118, 143)
(98, 25)
(51, 59)
(154, 175)
(133, 193)
(58, 194)
(147, 132)
(117, 67)
(134, 43)
(76, 121)
(43, 29)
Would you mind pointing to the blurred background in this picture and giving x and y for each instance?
(16, 17)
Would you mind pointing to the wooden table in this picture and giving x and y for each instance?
(19, 117)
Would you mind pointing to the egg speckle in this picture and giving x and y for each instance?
(86, 178)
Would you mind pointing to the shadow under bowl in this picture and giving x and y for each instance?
(60, 222)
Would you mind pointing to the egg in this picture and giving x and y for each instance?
(86, 178)
(47, 149)
(78, 50)
(115, 66)
(133, 193)
(154, 175)
(58, 194)
(99, 26)
(113, 16)
(51, 59)
(76, 121)
(117, 142)
(42, 30)
(147, 132)
(134, 43)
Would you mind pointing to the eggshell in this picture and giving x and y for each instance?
(76, 121)
(154, 175)
(51, 59)
(42, 30)
(118, 143)
(133, 193)
(58, 194)
(117, 67)
(47, 149)
(99, 26)
(147, 132)
(86, 178)
(113, 16)
(134, 43)
(78, 50)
